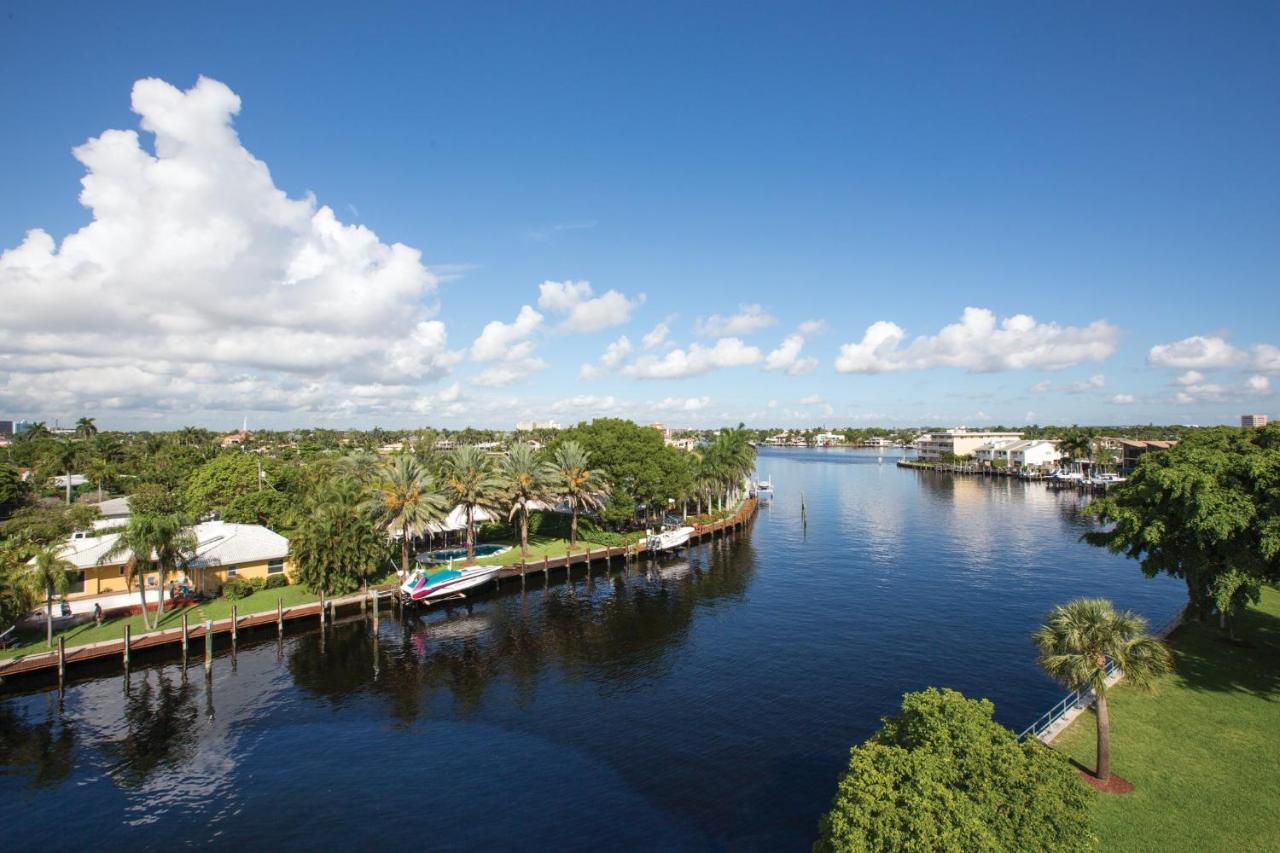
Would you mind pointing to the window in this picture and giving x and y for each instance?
(275, 567)
(77, 582)
(231, 571)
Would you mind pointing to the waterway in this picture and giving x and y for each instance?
(703, 703)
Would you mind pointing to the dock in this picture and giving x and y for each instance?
(324, 610)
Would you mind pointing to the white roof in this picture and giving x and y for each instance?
(114, 508)
(219, 543)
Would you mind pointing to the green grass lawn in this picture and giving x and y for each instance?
(1203, 750)
(539, 547)
(33, 641)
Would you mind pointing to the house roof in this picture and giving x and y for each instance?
(1145, 445)
(114, 508)
(219, 543)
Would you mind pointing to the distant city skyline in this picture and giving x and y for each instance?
(785, 217)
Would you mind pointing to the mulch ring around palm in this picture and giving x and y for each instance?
(1114, 785)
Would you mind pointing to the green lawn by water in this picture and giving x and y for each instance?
(1203, 751)
(539, 547)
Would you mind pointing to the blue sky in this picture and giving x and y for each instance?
(1110, 172)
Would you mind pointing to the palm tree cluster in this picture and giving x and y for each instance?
(726, 465)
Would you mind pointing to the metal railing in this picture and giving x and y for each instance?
(1082, 698)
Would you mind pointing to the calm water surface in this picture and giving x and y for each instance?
(703, 703)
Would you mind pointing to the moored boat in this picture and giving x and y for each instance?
(668, 539)
(425, 585)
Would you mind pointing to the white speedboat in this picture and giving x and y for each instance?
(668, 539)
(426, 585)
(764, 491)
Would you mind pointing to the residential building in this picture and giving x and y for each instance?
(223, 551)
(828, 439)
(530, 426)
(958, 442)
(1132, 449)
(6, 427)
(1252, 421)
(1039, 453)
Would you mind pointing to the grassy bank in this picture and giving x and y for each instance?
(1203, 750)
(32, 640)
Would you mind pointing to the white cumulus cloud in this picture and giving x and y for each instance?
(748, 319)
(656, 336)
(1123, 399)
(697, 359)
(584, 311)
(980, 344)
(200, 285)
(1197, 352)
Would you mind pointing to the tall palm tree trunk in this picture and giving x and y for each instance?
(524, 532)
(1104, 739)
(404, 550)
(142, 594)
(48, 615)
(573, 526)
(159, 595)
(471, 536)
(68, 488)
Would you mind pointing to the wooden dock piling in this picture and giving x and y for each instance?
(62, 662)
(186, 640)
(208, 647)
(126, 647)
(279, 616)
(235, 622)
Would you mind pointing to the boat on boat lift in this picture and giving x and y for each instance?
(426, 584)
(763, 490)
(669, 538)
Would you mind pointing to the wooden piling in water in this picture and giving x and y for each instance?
(235, 622)
(126, 647)
(186, 639)
(62, 661)
(322, 608)
(279, 616)
(376, 596)
(208, 647)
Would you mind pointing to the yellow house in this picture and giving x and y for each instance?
(223, 551)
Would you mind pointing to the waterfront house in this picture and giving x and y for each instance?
(1131, 450)
(828, 439)
(223, 551)
(958, 442)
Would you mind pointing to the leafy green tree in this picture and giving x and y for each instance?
(529, 479)
(50, 575)
(1202, 510)
(47, 525)
(1076, 642)
(268, 507)
(154, 499)
(215, 484)
(578, 483)
(86, 428)
(943, 775)
(16, 594)
(336, 547)
(470, 481)
(164, 543)
(13, 491)
(406, 499)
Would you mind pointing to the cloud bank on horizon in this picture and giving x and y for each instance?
(201, 289)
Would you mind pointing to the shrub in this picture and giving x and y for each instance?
(257, 583)
(944, 775)
(236, 588)
(275, 582)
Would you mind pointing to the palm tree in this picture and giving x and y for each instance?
(35, 432)
(50, 576)
(406, 499)
(164, 541)
(63, 456)
(336, 546)
(1076, 641)
(98, 470)
(471, 482)
(86, 428)
(1076, 443)
(580, 484)
(528, 479)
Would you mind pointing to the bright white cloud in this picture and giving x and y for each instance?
(1123, 399)
(697, 359)
(584, 311)
(682, 404)
(787, 358)
(1258, 384)
(656, 336)
(614, 355)
(812, 400)
(809, 328)
(507, 341)
(1191, 377)
(508, 372)
(1197, 352)
(748, 319)
(1093, 383)
(1266, 357)
(200, 285)
(980, 344)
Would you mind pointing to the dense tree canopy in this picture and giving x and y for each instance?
(1206, 510)
(943, 775)
(217, 483)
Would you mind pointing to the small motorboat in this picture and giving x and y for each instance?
(425, 585)
(669, 538)
(763, 491)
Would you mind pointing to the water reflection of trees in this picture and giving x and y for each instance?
(160, 715)
(612, 631)
(42, 749)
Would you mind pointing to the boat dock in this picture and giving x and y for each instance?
(202, 634)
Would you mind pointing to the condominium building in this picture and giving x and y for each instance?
(959, 442)
(1251, 421)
